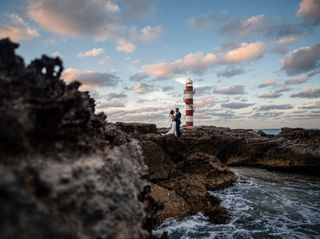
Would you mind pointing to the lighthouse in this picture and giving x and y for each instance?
(188, 99)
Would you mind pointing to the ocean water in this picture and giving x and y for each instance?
(271, 131)
(263, 204)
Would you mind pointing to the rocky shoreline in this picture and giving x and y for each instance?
(180, 175)
(65, 172)
(183, 170)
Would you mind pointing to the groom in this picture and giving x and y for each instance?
(178, 122)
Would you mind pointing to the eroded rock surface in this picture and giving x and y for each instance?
(64, 172)
(181, 176)
(293, 149)
(185, 168)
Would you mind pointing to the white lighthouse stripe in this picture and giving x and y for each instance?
(189, 118)
(189, 107)
(188, 96)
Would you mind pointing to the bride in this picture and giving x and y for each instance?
(173, 124)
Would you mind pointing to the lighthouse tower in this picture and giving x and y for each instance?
(188, 99)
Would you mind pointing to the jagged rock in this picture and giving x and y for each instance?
(181, 174)
(137, 128)
(186, 168)
(159, 163)
(293, 149)
(64, 173)
(185, 192)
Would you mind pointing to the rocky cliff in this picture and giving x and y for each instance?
(64, 173)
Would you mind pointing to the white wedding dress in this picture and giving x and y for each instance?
(173, 129)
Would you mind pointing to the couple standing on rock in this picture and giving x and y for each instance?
(175, 119)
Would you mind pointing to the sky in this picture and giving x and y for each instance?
(254, 63)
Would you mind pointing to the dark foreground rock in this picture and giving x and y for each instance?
(64, 173)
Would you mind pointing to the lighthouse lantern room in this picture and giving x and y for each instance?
(188, 99)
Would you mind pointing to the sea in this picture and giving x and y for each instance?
(262, 204)
(271, 131)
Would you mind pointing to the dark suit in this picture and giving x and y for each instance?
(178, 123)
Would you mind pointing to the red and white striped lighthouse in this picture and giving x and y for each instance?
(188, 99)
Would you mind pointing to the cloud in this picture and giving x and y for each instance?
(97, 18)
(246, 26)
(298, 80)
(309, 10)
(142, 114)
(311, 107)
(138, 77)
(266, 115)
(198, 62)
(202, 21)
(302, 60)
(17, 29)
(203, 90)
(49, 41)
(230, 72)
(236, 105)
(205, 101)
(167, 88)
(90, 80)
(105, 60)
(307, 93)
(230, 90)
(194, 62)
(284, 33)
(117, 96)
(91, 53)
(261, 25)
(270, 95)
(283, 42)
(125, 46)
(148, 33)
(143, 88)
(275, 107)
(224, 115)
(56, 54)
(267, 83)
(110, 103)
(246, 52)
(143, 110)
(139, 7)
(282, 89)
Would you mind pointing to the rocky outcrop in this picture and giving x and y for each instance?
(294, 149)
(137, 128)
(184, 169)
(181, 176)
(64, 172)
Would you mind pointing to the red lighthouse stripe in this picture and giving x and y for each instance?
(189, 101)
(189, 112)
(189, 123)
(189, 88)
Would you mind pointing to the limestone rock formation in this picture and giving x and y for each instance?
(184, 169)
(64, 173)
(181, 176)
(292, 150)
